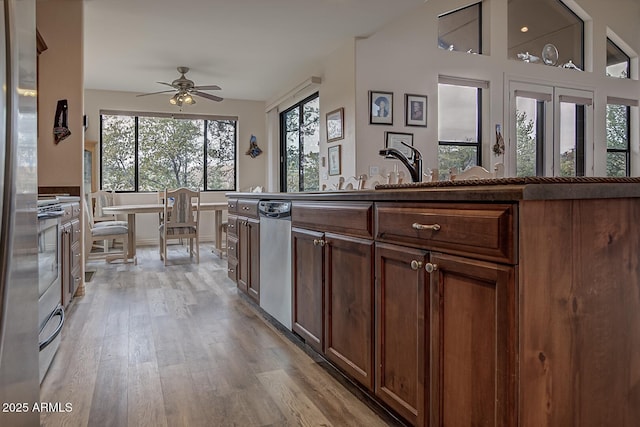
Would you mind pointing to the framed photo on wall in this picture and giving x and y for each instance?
(395, 140)
(380, 108)
(335, 125)
(415, 110)
(334, 160)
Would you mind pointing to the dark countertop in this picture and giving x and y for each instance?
(487, 190)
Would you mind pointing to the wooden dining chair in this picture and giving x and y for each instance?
(104, 231)
(181, 219)
(98, 200)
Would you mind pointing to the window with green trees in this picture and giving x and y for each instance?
(618, 150)
(151, 152)
(300, 146)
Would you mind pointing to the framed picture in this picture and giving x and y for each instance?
(334, 160)
(415, 110)
(395, 140)
(335, 125)
(380, 108)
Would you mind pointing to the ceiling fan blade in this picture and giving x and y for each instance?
(166, 84)
(209, 87)
(155, 93)
(207, 95)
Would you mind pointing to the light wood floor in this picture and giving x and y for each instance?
(177, 346)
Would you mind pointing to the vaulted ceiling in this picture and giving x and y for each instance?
(253, 49)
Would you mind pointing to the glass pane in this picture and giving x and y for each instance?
(455, 156)
(118, 153)
(221, 154)
(457, 113)
(292, 143)
(527, 139)
(534, 24)
(618, 127)
(571, 139)
(170, 153)
(617, 61)
(460, 30)
(311, 144)
(617, 163)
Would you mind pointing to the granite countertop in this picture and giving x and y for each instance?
(487, 190)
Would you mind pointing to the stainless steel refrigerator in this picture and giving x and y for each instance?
(19, 385)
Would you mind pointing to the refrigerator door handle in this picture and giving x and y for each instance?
(59, 311)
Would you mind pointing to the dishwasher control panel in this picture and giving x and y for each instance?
(274, 208)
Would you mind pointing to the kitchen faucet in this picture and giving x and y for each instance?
(415, 168)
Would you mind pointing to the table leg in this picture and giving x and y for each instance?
(131, 221)
(217, 220)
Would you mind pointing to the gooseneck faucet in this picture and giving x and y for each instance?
(415, 168)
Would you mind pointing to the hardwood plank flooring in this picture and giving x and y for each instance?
(150, 345)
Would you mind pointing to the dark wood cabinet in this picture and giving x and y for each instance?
(402, 339)
(473, 343)
(349, 305)
(243, 233)
(71, 252)
(249, 257)
(308, 286)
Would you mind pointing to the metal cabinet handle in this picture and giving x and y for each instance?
(231, 270)
(416, 265)
(231, 248)
(231, 205)
(430, 268)
(319, 242)
(77, 255)
(76, 279)
(433, 227)
(245, 208)
(232, 226)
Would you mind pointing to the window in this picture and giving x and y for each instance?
(300, 146)
(618, 62)
(532, 25)
(459, 127)
(461, 30)
(618, 150)
(151, 152)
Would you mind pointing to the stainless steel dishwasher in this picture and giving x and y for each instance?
(275, 259)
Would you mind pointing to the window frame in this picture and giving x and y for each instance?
(182, 116)
(479, 5)
(627, 150)
(478, 143)
(283, 143)
(628, 59)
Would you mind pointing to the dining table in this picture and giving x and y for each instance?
(132, 210)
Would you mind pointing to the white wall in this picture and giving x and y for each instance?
(60, 76)
(403, 57)
(251, 172)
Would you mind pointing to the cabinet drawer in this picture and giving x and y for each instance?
(484, 231)
(232, 247)
(76, 230)
(232, 206)
(354, 219)
(232, 225)
(76, 254)
(232, 269)
(248, 208)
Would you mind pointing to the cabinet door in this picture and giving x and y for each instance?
(308, 287)
(473, 350)
(66, 264)
(401, 330)
(243, 269)
(253, 261)
(349, 305)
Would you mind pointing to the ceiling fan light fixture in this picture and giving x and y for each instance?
(174, 99)
(188, 99)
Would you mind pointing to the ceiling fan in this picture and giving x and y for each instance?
(184, 89)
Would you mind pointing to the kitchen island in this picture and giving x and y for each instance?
(494, 303)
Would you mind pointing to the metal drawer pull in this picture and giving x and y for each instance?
(231, 248)
(319, 242)
(430, 268)
(231, 270)
(416, 265)
(76, 279)
(232, 226)
(434, 227)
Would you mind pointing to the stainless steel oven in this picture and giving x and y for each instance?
(50, 311)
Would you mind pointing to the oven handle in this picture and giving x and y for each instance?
(59, 311)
